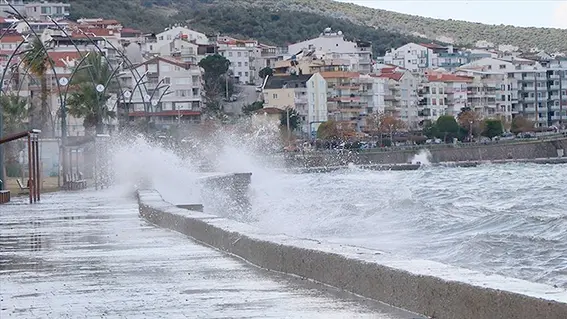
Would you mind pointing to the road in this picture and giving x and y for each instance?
(88, 254)
(248, 95)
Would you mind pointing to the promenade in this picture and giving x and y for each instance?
(89, 254)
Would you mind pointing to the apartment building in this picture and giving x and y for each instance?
(334, 45)
(310, 63)
(241, 54)
(170, 93)
(443, 94)
(43, 10)
(307, 94)
(344, 102)
(415, 57)
(401, 98)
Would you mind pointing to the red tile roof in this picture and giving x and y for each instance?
(12, 39)
(59, 57)
(99, 32)
(396, 76)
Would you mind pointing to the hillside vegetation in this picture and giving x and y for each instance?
(276, 27)
(283, 21)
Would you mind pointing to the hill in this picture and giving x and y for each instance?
(283, 21)
(276, 27)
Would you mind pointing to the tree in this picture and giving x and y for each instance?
(15, 113)
(37, 60)
(389, 124)
(251, 108)
(492, 128)
(85, 101)
(470, 121)
(217, 82)
(265, 71)
(447, 127)
(328, 130)
(520, 124)
(293, 119)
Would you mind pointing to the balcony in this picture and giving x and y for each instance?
(554, 87)
(300, 100)
(555, 76)
(529, 110)
(528, 99)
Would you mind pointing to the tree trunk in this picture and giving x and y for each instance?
(45, 112)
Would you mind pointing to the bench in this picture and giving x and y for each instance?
(4, 196)
(23, 189)
(74, 182)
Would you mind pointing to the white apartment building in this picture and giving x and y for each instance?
(414, 57)
(401, 99)
(170, 92)
(42, 10)
(163, 39)
(307, 94)
(334, 45)
(241, 54)
(447, 94)
(373, 92)
(317, 104)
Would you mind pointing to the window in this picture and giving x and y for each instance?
(275, 96)
(195, 91)
(195, 79)
(166, 80)
(182, 81)
(229, 53)
(239, 64)
(503, 98)
(169, 37)
(245, 73)
(161, 37)
(502, 66)
(433, 90)
(181, 93)
(245, 63)
(434, 101)
(239, 73)
(239, 54)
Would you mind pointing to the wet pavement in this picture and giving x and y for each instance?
(88, 254)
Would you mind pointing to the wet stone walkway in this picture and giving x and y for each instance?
(89, 254)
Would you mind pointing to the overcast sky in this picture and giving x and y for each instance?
(536, 13)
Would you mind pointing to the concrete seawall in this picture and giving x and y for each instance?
(425, 287)
(439, 154)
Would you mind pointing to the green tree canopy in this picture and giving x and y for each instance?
(37, 60)
(492, 128)
(251, 108)
(85, 101)
(293, 119)
(265, 71)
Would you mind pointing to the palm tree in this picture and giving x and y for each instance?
(37, 60)
(15, 112)
(85, 101)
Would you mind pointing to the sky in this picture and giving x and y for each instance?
(534, 13)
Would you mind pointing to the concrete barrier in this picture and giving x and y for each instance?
(425, 287)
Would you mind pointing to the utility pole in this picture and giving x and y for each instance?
(288, 126)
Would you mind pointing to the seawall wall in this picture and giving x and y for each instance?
(425, 287)
(488, 152)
